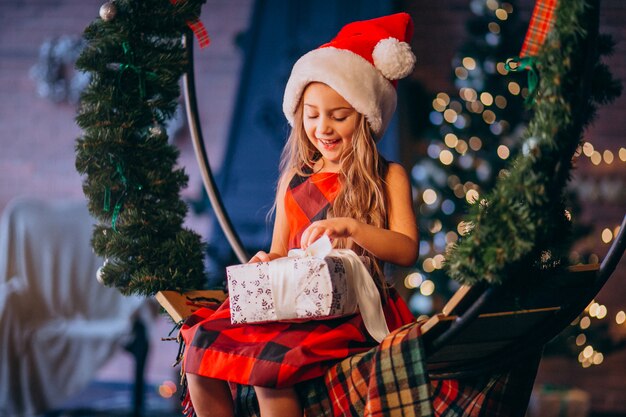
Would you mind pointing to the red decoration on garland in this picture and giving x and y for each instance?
(198, 29)
(540, 24)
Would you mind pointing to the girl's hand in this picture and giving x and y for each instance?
(260, 256)
(340, 227)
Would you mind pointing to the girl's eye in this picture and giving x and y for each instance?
(311, 116)
(340, 119)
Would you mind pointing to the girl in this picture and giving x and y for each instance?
(339, 99)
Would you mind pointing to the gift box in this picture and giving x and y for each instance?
(319, 290)
(316, 284)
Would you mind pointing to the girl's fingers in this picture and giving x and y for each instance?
(260, 256)
(310, 235)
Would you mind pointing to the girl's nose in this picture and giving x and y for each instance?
(323, 126)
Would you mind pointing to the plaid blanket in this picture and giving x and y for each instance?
(390, 380)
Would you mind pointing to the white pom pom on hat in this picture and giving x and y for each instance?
(362, 63)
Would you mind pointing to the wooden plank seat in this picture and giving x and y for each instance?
(481, 323)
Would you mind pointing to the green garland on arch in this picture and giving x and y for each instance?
(521, 224)
(136, 57)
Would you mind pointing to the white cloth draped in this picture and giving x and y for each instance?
(58, 325)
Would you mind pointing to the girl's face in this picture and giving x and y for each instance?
(329, 122)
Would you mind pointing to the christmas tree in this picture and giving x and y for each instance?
(473, 135)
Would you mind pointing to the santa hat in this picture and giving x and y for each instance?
(362, 63)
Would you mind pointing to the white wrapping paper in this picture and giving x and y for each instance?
(315, 284)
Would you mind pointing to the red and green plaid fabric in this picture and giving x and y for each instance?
(540, 24)
(386, 381)
(276, 354)
(307, 199)
(390, 380)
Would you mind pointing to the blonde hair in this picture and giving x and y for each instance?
(362, 167)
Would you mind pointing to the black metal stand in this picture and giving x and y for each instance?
(201, 155)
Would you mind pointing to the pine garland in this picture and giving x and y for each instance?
(136, 58)
(521, 224)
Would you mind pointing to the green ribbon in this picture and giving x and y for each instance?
(119, 171)
(526, 63)
(130, 65)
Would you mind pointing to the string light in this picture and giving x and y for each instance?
(427, 288)
(450, 115)
(439, 104)
(514, 88)
(469, 63)
(463, 228)
(475, 143)
(468, 94)
(461, 146)
(492, 5)
(461, 73)
(451, 140)
(493, 27)
(427, 265)
(446, 157)
(500, 101)
(458, 191)
(503, 152)
(471, 196)
(456, 106)
(596, 158)
(429, 196)
(452, 237)
(501, 68)
(585, 322)
(438, 261)
(413, 280)
(489, 117)
(486, 98)
(435, 226)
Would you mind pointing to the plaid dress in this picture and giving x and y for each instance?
(281, 354)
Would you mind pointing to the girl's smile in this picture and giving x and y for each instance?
(329, 122)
